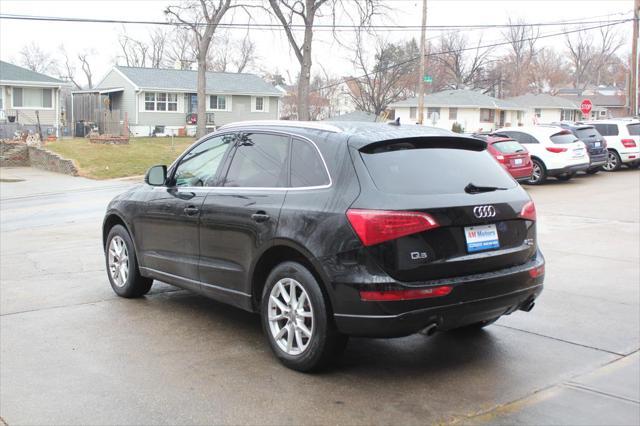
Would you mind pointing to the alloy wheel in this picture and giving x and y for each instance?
(612, 162)
(118, 261)
(536, 173)
(290, 316)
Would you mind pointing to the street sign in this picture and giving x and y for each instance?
(586, 106)
(427, 79)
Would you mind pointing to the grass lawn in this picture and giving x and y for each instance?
(99, 161)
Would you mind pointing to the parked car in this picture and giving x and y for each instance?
(596, 144)
(623, 142)
(555, 151)
(510, 154)
(329, 231)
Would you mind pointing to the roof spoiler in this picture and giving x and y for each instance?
(421, 142)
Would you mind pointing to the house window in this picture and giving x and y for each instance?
(160, 101)
(217, 103)
(538, 112)
(487, 115)
(412, 112)
(259, 104)
(24, 97)
(520, 116)
(453, 113)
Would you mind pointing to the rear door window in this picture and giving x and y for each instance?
(606, 129)
(634, 129)
(418, 170)
(307, 167)
(508, 147)
(259, 161)
(563, 138)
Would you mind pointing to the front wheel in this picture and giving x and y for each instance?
(613, 161)
(297, 321)
(122, 265)
(538, 174)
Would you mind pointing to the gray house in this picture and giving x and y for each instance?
(22, 93)
(166, 99)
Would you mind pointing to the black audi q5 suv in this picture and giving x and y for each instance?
(332, 230)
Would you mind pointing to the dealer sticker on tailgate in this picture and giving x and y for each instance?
(483, 237)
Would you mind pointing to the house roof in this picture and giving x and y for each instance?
(600, 100)
(543, 101)
(10, 72)
(187, 81)
(359, 116)
(459, 99)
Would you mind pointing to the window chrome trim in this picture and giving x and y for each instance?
(264, 188)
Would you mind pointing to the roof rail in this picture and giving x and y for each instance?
(285, 123)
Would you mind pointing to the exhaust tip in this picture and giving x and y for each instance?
(527, 306)
(430, 329)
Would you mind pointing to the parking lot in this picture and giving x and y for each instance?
(74, 353)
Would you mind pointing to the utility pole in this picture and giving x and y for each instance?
(423, 48)
(633, 81)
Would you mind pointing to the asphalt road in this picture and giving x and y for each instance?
(74, 353)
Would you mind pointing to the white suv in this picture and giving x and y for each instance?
(623, 141)
(554, 151)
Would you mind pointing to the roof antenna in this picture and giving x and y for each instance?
(395, 123)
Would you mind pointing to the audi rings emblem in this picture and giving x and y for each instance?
(484, 212)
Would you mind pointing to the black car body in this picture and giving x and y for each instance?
(375, 212)
(596, 144)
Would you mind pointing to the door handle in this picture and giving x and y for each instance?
(191, 210)
(260, 217)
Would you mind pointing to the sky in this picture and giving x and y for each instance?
(272, 47)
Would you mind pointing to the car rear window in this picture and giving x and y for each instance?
(433, 170)
(563, 138)
(508, 147)
(587, 133)
(634, 129)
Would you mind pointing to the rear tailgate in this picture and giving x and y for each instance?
(477, 230)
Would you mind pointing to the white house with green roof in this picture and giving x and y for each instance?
(23, 93)
(153, 97)
(473, 110)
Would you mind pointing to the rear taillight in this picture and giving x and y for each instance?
(628, 143)
(528, 211)
(556, 150)
(500, 158)
(391, 295)
(377, 226)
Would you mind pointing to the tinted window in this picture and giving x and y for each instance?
(588, 134)
(434, 170)
(260, 161)
(508, 147)
(563, 138)
(199, 166)
(307, 168)
(634, 129)
(607, 129)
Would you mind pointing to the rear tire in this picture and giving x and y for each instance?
(299, 329)
(122, 265)
(613, 161)
(538, 174)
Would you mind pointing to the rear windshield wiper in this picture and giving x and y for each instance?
(474, 189)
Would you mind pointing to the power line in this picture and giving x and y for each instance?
(486, 46)
(332, 27)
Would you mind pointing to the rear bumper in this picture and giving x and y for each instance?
(473, 299)
(569, 169)
(597, 160)
(630, 156)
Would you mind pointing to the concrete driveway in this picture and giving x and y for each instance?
(74, 353)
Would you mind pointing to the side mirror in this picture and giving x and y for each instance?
(156, 176)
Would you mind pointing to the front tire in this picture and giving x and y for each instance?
(613, 161)
(538, 174)
(122, 265)
(297, 321)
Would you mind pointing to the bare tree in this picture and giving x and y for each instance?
(36, 59)
(463, 65)
(231, 55)
(522, 40)
(180, 49)
(157, 44)
(548, 71)
(69, 71)
(134, 51)
(305, 12)
(83, 57)
(390, 75)
(202, 18)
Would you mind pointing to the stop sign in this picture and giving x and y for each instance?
(586, 106)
